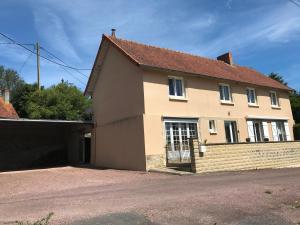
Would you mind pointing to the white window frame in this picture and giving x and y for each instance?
(276, 97)
(248, 90)
(214, 129)
(229, 91)
(175, 96)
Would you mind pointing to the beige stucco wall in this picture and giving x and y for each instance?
(118, 106)
(203, 103)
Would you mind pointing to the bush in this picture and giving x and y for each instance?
(297, 131)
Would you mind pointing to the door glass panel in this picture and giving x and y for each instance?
(231, 131)
(177, 139)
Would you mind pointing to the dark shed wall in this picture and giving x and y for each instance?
(36, 145)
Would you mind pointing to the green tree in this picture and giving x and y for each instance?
(20, 97)
(276, 76)
(10, 79)
(63, 101)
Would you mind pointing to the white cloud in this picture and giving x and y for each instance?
(50, 28)
(280, 24)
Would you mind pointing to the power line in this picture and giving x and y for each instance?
(26, 60)
(23, 46)
(296, 2)
(67, 70)
(73, 75)
(54, 56)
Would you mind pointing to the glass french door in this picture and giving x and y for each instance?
(258, 131)
(177, 139)
(231, 131)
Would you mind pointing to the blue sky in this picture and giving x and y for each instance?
(262, 34)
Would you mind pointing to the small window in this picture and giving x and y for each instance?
(274, 99)
(176, 88)
(251, 95)
(212, 126)
(225, 94)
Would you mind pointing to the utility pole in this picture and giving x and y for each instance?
(38, 64)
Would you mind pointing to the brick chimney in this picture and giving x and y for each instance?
(227, 58)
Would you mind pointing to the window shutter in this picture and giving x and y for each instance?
(287, 131)
(251, 131)
(265, 129)
(274, 131)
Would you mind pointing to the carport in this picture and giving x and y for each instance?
(27, 144)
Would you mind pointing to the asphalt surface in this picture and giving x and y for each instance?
(87, 196)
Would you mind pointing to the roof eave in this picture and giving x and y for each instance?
(147, 67)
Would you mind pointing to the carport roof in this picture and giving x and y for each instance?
(48, 121)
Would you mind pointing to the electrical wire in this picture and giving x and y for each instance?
(296, 2)
(54, 56)
(45, 58)
(26, 60)
(63, 68)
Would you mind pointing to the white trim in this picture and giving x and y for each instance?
(265, 129)
(229, 92)
(274, 131)
(277, 100)
(177, 97)
(287, 131)
(255, 96)
(251, 130)
(212, 131)
(267, 117)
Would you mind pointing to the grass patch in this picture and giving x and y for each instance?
(43, 221)
(296, 205)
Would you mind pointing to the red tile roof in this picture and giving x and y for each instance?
(7, 110)
(178, 61)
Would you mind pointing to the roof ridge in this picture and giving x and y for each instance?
(168, 49)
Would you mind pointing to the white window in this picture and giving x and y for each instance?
(212, 126)
(225, 94)
(176, 87)
(177, 138)
(251, 95)
(280, 131)
(274, 99)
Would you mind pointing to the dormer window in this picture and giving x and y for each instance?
(176, 87)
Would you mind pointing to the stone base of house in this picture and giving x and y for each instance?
(244, 156)
(155, 161)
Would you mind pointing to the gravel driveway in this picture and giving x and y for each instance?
(90, 196)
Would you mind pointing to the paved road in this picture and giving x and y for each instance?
(87, 196)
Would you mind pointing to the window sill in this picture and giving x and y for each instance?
(226, 103)
(213, 132)
(174, 98)
(275, 107)
(253, 105)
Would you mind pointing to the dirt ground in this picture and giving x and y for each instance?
(90, 196)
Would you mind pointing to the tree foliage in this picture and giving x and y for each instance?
(294, 97)
(9, 79)
(276, 76)
(63, 101)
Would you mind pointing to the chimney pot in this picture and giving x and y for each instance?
(227, 58)
(113, 32)
(6, 96)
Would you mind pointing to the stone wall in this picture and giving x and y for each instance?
(244, 156)
(156, 161)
